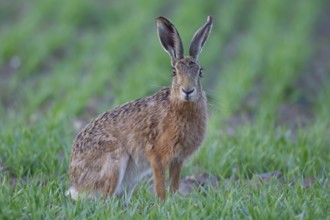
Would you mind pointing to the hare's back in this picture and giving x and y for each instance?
(113, 129)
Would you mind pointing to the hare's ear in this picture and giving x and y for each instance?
(170, 39)
(200, 38)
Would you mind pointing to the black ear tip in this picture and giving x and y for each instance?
(159, 19)
(209, 19)
(162, 19)
(164, 23)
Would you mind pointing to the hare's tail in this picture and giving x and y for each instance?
(72, 192)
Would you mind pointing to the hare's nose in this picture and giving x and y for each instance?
(188, 92)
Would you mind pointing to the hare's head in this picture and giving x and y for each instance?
(186, 70)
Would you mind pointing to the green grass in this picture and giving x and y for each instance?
(68, 61)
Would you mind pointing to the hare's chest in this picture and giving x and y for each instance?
(189, 139)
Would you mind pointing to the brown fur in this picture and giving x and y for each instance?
(114, 150)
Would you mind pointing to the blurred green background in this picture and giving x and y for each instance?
(267, 79)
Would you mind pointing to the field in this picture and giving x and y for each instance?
(266, 75)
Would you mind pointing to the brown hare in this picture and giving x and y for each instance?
(115, 150)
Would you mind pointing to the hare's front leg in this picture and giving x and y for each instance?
(158, 167)
(174, 172)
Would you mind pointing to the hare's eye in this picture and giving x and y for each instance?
(201, 72)
(173, 71)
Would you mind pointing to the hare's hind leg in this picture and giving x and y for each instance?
(103, 174)
(112, 174)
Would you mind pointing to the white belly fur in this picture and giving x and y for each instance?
(135, 171)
